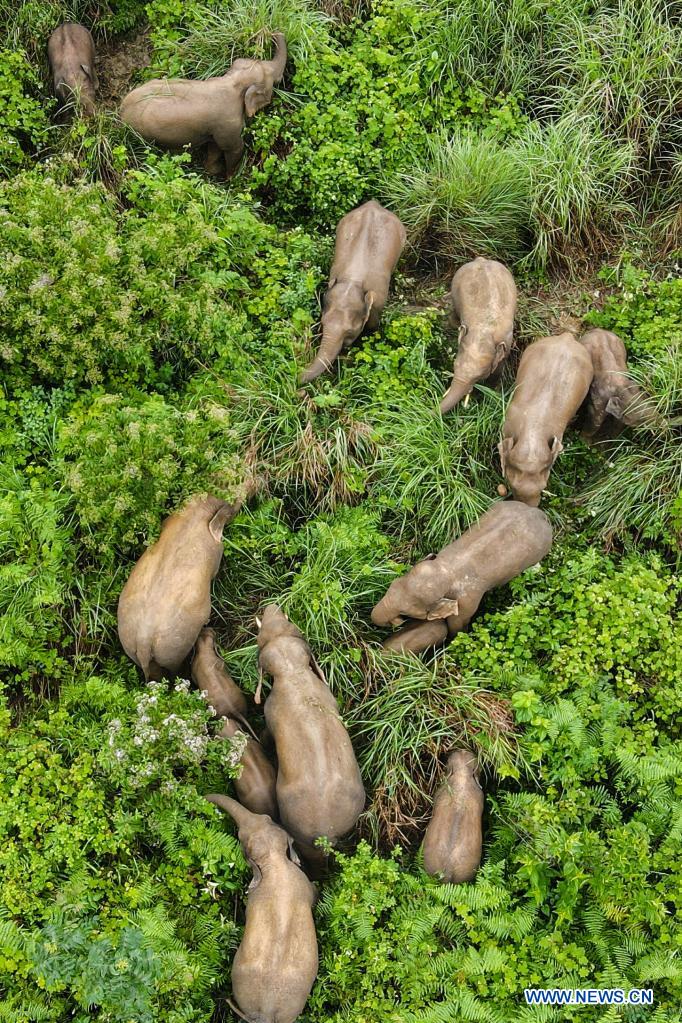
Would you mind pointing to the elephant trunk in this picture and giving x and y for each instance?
(239, 814)
(327, 353)
(458, 389)
(279, 61)
(384, 613)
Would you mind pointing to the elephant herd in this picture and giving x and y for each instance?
(313, 790)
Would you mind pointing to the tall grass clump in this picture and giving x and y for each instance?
(243, 28)
(646, 464)
(466, 196)
(414, 715)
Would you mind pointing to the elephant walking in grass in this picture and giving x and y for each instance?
(453, 841)
(612, 393)
(553, 379)
(178, 112)
(167, 599)
(276, 963)
(369, 241)
(319, 788)
(71, 53)
(483, 296)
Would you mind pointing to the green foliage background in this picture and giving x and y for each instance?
(152, 324)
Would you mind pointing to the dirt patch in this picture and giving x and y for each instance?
(117, 65)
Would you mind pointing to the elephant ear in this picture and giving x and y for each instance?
(293, 855)
(255, 98)
(257, 875)
(462, 333)
(89, 73)
(500, 354)
(614, 407)
(369, 302)
(556, 447)
(444, 608)
(504, 447)
(217, 523)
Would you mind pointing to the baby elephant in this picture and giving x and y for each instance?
(508, 539)
(276, 963)
(454, 838)
(612, 392)
(319, 788)
(210, 676)
(483, 297)
(552, 382)
(179, 112)
(167, 598)
(256, 784)
(369, 241)
(71, 53)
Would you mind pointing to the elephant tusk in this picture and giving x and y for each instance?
(466, 400)
(259, 623)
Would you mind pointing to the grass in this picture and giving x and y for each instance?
(647, 464)
(414, 715)
(243, 28)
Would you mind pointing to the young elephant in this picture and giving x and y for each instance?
(552, 382)
(167, 598)
(319, 788)
(71, 53)
(256, 785)
(508, 539)
(453, 841)
(276, 963)
(483, 297)
(612, 392)
(178, 112)
(211, 677)
(369, 241)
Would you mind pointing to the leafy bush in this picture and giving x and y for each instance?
(91, 293)
(23, 121)
(110, 859)
(129, 464)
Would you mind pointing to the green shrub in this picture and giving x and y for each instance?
(37, 565)
(23, 120)
(115, 867)
(129, 464)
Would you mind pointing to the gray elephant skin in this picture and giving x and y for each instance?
(71, 53)
(453, 841)
(210, 676)
(256, 786)
(447, 588)
(276, 963)
(612, 392)
(369, 241)
(177, 112)
(167, 598)
(552, 382)
(319, 788)
(484, 298)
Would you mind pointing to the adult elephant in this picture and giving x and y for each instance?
(176, 112)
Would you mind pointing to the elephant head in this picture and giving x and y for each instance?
(347, 307)
(527, 465)
(259, 76)
(282, 645)
(422, 594)
(477, 358)
(260, 838)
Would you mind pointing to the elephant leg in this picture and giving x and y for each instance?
(232, 156)
(214, 161)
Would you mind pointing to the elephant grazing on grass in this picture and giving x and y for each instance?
(483, 295)
(177, 112)
(369, 241)
(276, 963)
(71, 53)
(612, 392)
(553, 379)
